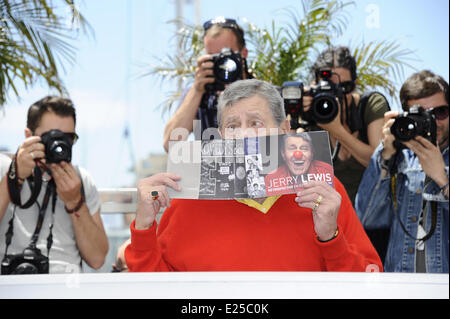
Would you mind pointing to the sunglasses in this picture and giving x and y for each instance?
(223, 22)
(440, 112)
(73, 136)
(347, 86)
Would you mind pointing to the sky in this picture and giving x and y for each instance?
(109, 94)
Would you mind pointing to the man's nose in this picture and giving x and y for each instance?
(298, 154)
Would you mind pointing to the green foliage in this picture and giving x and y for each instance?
(34, 41)
(286, 53)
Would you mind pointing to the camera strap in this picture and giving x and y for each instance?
(14, 187)
(49, 192)
(433, 212)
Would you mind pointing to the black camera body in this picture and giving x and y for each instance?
(30, 261)
(58, 146)
(227, 69)
(416, 122)
(324, 107)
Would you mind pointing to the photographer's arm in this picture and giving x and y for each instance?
(358, 149)
(4, 196)
(90, 235)
(185, 115)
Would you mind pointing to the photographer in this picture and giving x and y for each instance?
(405, 186)
(356, 130)
(49, 209)
(200, 100)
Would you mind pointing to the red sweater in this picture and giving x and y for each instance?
(226, 235)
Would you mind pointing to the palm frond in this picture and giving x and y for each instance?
(35, 42)
(382, 64)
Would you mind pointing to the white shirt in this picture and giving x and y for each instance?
(64, 254)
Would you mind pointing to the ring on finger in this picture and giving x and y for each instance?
(32, 155)
(155, 195)
(317, 203)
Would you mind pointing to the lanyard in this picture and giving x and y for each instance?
(433, 212)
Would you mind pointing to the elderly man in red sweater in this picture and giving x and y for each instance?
(315, 229)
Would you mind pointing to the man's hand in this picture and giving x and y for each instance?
(147, 207)
(204, 73)
(326, 213)
(335, 126)
(430, 158)
(30, 150)
(387, 137)
(68, 183)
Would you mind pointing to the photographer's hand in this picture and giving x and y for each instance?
(68, 183)
(387, 137)
(147, 206)
(30, 150)
(430, 158)
(204, 73)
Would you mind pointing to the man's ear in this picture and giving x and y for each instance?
(28, 133)
(285, 127)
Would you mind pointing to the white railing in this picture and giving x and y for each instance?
(228, 285)
(118, 200)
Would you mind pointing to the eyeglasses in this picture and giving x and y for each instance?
(226, 23)
(347, 86)
(73, 136)
(223, 22)
(440, 112)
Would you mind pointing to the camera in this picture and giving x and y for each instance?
(30, 261)
(324, 107)
(58, 146)
(227, 69)
(417, 121)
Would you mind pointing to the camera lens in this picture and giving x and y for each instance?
(60, 151)
(227, 70)
(324, 108)
(25, 268)
(404, 129)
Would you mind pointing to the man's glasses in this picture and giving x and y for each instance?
(223, 22)
(440, 112)
(73, 136)
(347, 86)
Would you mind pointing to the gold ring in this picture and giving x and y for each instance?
(317, 203)
(155, 195)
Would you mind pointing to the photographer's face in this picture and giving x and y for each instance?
(433, 101)
(297, 155)
(250, 117)
(225, 39)
(52, 121)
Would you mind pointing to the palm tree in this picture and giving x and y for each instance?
(34, 42)
(286, 53)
